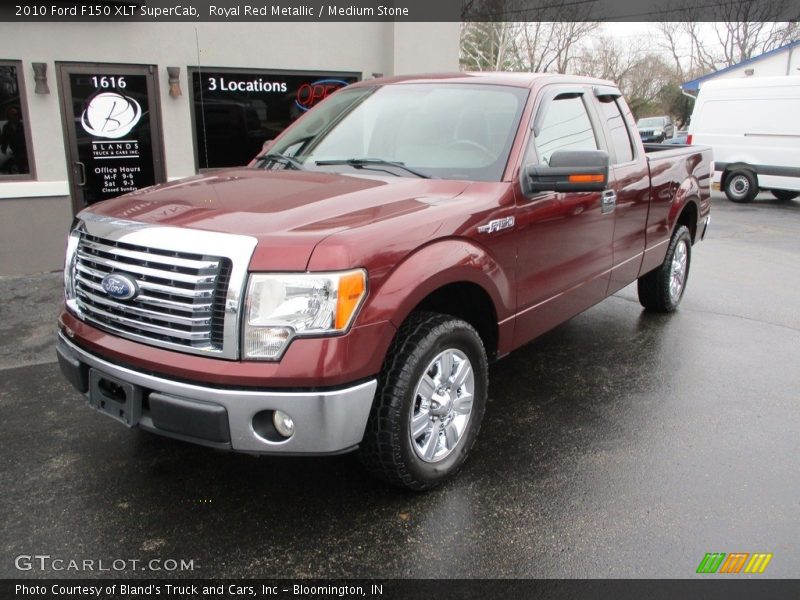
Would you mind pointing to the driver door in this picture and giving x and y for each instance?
(566, 249)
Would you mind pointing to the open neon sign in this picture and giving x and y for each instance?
(309, 94)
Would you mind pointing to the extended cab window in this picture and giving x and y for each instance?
(449, 131)
(566, 126)
(620, 136)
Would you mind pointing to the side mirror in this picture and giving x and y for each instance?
(569, 171)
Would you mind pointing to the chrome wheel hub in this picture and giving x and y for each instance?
(678, 268)
(442, 405)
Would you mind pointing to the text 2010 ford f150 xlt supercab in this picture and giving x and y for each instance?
(348, 288)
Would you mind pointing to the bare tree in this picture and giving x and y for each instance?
(646, 82)
(741, 29)
(607, 58)
(551, 39)
(670, 42)
(547, 40)
(487, 46)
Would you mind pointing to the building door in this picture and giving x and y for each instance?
(113, 129)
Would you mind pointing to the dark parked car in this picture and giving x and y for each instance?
(655, 129)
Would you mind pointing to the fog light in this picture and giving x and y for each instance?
(283, 423)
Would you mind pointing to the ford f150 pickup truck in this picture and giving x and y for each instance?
(348, 289)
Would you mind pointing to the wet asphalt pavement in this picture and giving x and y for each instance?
(620, 444)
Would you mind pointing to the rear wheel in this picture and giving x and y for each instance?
(661, 290)
(741, 186)
(430, 402)
(785, 195)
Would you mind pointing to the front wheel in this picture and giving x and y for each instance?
(661, 290)
(741, 186)
(430, 402)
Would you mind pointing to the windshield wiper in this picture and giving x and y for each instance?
(282, 158)
(367, 163)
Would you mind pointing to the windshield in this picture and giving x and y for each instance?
(651, 122)
(449, 131)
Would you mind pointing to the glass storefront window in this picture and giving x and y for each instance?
(236, 111)
(14, 138)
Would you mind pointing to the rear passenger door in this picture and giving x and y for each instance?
(565, 248)
(630, 182)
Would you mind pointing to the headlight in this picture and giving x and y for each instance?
(69, 264)
(280, 307)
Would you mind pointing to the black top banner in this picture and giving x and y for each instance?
(401, 10)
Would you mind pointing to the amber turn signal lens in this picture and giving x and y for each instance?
(586, 178)
(351, 290)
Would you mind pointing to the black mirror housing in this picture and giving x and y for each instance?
(569, 171)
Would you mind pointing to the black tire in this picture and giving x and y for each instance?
(655, 288)
(741, 186)
(785, 195)
(387, 450)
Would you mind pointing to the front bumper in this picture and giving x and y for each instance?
(326, 422)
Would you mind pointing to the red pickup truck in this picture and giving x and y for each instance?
(348, 289)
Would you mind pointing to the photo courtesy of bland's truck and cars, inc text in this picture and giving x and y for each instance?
(314, 300)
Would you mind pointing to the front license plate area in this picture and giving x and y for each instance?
(117, 399)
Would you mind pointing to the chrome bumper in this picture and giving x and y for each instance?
(326, 422)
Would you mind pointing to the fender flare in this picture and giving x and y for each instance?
(457, 261)
(738, 165)
(688, 192)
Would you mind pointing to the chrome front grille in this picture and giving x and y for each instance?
(189, 281)
(181, 297)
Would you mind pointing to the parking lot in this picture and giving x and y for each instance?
(621, 444)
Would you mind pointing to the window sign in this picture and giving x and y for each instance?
(111, 119)
(14, 153)
(235, 112)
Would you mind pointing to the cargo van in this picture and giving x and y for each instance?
(753, 126)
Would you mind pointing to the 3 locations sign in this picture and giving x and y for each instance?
(237, 111)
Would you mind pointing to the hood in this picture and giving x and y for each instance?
(289, 212)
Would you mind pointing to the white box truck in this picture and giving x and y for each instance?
(753, 126)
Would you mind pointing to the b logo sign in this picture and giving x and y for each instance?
(111, 115)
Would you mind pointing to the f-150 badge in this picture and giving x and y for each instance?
(496, 225)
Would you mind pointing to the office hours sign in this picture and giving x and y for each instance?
(114, 146)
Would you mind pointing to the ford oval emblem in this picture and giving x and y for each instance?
(120, 286)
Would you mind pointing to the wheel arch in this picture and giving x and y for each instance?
(468, 283)
(685, 208)
(732, 167)
(688, 216)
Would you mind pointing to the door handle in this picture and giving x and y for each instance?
(608, 201)
(82, 172)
